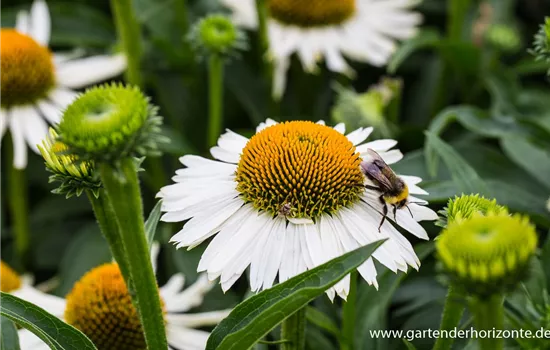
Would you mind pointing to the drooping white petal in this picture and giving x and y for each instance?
(17, 130)
(279, 77)
(62, 97)
(186, 338)
(34, 127)
(78, 73)
(3, 122)
(173, 286)
(40, 23)
(29, 341)
(51, 303)
(22, 22)
(52, 113)
(190, 297)
(198, 319)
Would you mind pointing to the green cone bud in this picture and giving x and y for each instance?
(504, 37)
(216, 34)
(541, 44)
(111, 122)
(487, 254)
(465, 206)
(74, 175)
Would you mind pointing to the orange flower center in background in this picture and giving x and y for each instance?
(9, 279)
(311, 13)
(101, 307)
(27, 69)
(301, 168)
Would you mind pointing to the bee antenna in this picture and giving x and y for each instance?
(409, 209)
(416, 202)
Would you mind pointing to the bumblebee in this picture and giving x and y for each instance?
(393, 189)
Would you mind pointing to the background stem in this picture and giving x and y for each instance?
(215, 87)
(19, 209)
(348, 315)
(130, 37)
(458, 9)
(452, 314)
(293, 331)
(122, 187)
(489, 314)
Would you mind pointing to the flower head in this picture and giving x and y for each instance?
(362, 30)
(74, 175)
(36, 83)
(289, 199)
(487, 254)
(217, 35)
(10, 280)
(110, 122)
(466, 206)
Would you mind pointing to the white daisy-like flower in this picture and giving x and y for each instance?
(287, 200)
(37, 84)
(22, 287)
(363, 30)
(100, 306)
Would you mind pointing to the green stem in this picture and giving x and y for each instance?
(19, 209)
(458, 9)
(293, 331)
(106, 218)
(348, 315)
(263, 41)
(122, 186)
(215, 76)
(130, 37)
(489, 315)
(452, 314)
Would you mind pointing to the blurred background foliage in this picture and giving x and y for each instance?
(473, 84)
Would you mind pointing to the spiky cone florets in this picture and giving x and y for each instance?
(487, 254)
(74, 175)
(111, 122)
(541, 44)
(465, 206)
(217, 35)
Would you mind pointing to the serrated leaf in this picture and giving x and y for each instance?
(152, 223)
(54, 332)
(9, 339)
(252, 319)
(535, 160)
(424, 39)
(465, 177)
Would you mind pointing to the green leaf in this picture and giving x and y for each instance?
(535, 160)
(424, 39)
(251, 320)
(9, 339)
(545, 259)
(408, 344)
(54, 332)
(322, 321)
(152, 223)
(465, 177)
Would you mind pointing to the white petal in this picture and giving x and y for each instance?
(18, 137)
(392, 156)
(155, 249)
(62, 97)
(268, 122)
(40, 22)
(197, 320)
(34, 127)
(52, 113)
(51, 303)
(359, 135)
(300, 221)
(83, 72)
(22, 22)
(185, 338)
(29, 341)
(173, 286)
(225, 155)
(405, 220)
(378, 145)
(279, 78)
(340, 127)
(232, 141)
(422, 213)
(411, 182)
(190, 297)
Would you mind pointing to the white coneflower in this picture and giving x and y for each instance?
(287, 200)
(100, 306)
(36, 84)
(22, 287)
(363, 30)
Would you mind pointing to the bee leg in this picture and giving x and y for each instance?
(395, 213)
(384, 212)
(374, 188)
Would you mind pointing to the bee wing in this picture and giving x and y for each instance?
(376, 174)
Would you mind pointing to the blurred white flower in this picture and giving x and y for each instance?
(100, 306)
(36, 84)
(287, 200)
(362, 30)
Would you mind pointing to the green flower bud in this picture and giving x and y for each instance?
(504, 37)
(487, 254)
(217, 35)
(369, 108)
(465, 206)
(74, 175)
(111, 122)
(541, 44)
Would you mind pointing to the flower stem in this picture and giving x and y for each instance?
(452, 313)
(130, 37)
(106, 218)
(458, 9)
(263, 40)
(123, 190)
(293, 331)
(489, 314)
(348, 315)
(215, 75)
(18, 204)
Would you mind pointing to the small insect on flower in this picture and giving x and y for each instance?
(287, 210)
(394, 190)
